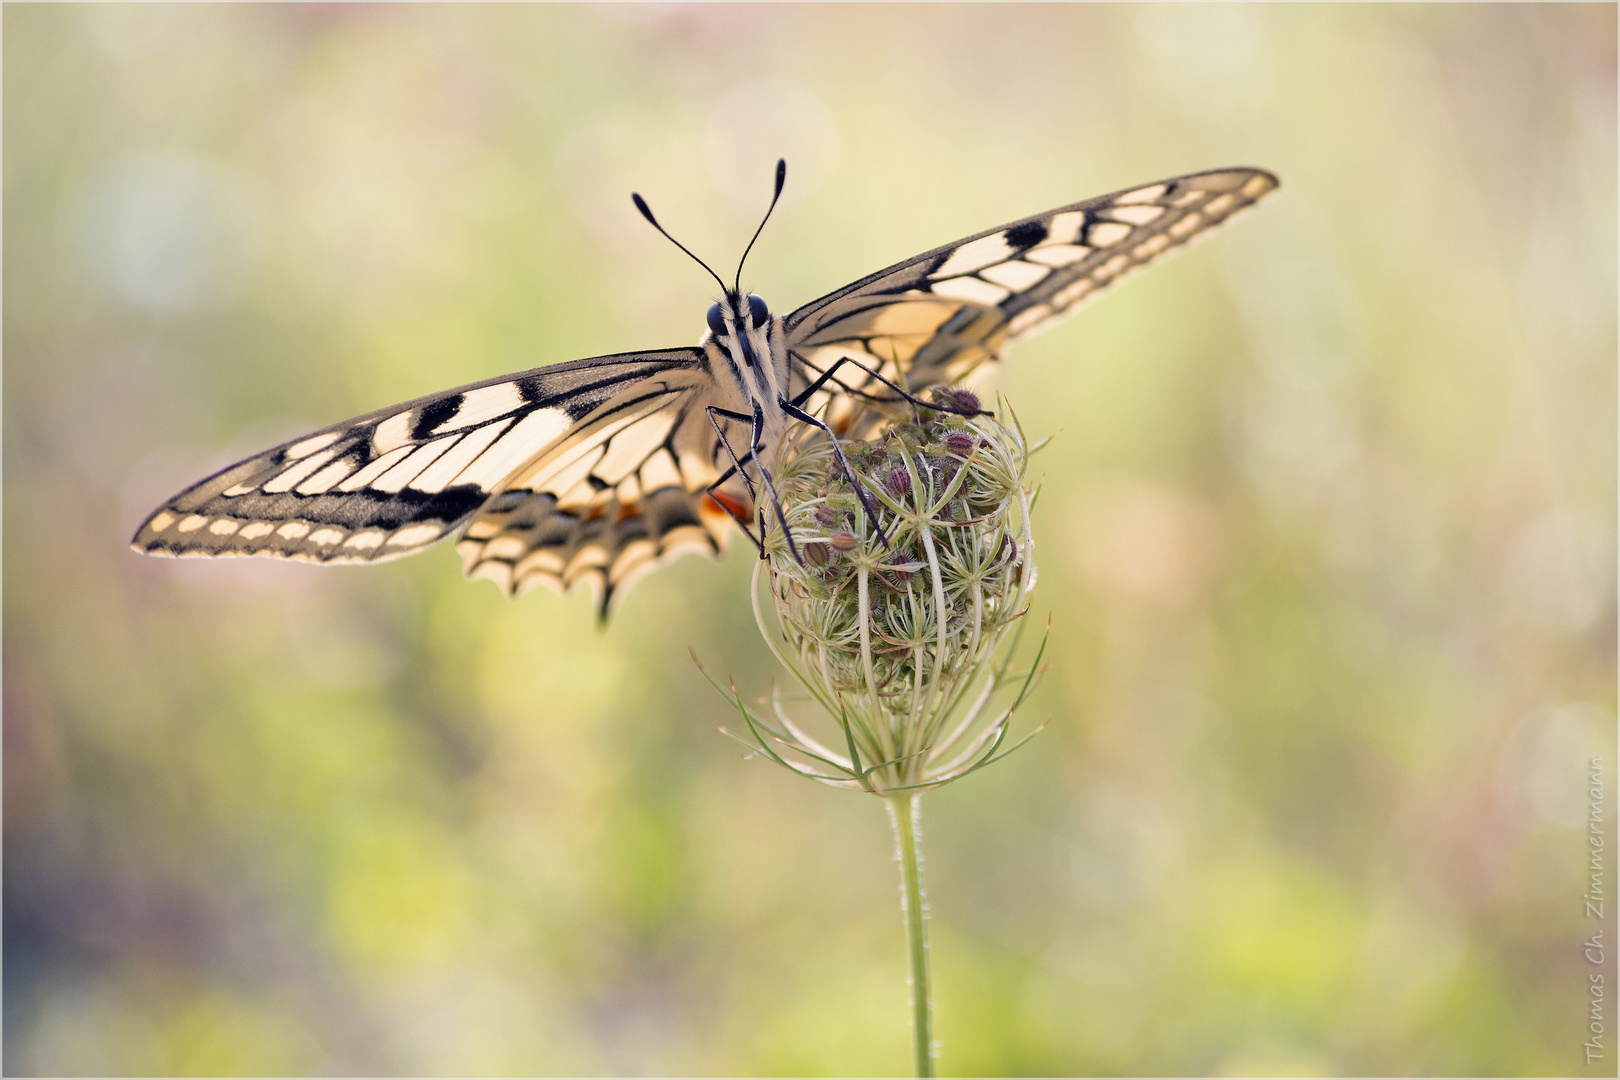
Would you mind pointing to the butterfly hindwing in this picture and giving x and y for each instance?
(936, 317)
(619, 496)
(394, 481)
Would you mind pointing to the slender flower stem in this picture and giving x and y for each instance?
(905, 814)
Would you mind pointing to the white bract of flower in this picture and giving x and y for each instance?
(899, 642)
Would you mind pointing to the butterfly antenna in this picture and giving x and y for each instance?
(781, 178)
(641, 204)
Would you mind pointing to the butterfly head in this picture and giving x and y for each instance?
(740, 329)
(732, 310)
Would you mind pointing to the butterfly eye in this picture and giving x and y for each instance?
(758, 309)
(716, 323)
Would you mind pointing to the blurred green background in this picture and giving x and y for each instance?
(1327, 541)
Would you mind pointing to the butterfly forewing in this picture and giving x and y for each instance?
(936, 317)
(394, 481)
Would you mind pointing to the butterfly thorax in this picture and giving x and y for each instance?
(747, 353)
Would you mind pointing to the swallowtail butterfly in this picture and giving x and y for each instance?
(600, 470)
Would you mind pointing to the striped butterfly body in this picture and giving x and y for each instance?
(599, 470)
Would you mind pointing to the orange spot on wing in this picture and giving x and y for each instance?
(723, 502)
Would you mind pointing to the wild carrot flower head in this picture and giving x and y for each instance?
(906, 585)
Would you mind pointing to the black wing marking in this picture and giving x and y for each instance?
(936, 317)
(394, 481)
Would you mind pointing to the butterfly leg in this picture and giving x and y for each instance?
(755, 442)
(790, 409)
(715, 414)
(826, 376)
(727, 475)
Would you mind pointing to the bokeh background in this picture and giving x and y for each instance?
(1327, 541)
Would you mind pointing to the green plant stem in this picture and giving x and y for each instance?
(905, 813)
